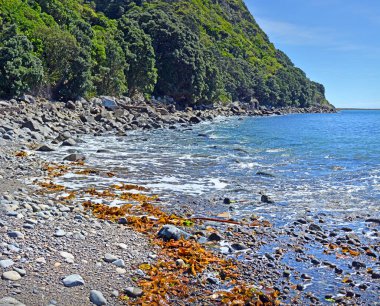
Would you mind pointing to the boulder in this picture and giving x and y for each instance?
(28, 98)
(109, 102)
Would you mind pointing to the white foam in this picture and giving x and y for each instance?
(218, 184)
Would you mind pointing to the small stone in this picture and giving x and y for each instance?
(180, 263)
(315, 227)
(16, 234)
(69, 142)
(286, 273)
(97, 298)
(375, 275)
(239, 246)
(6, 263)
(22, 272)
(11, 275)
(133, 292)
(109, 258)
(121, 271)
(215, 237)
(45, 148)
(41, 260)
(168, 232)
(119, 263)
(75, 157)
(226, 201)
(66, 255)
(358, 264)
(10, 301)
(60, 233)
(122, 246)
(73, 280)
(306, 276)
(266, 199)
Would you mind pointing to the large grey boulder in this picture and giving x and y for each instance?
(109, 102)
(168, 232)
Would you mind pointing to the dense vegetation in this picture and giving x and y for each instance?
(194, 51)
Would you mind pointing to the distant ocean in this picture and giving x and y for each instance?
(326, 163)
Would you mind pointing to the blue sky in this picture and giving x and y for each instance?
(336, 42)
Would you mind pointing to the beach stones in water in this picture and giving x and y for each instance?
(75, 157)
(11, 275)
(315, 227)
(133, 292)
(69, 142)
(239, 246)
(358, 264)
(73, 280)
(168, 232)
(266, 199)
(97, 298)
(45, 148)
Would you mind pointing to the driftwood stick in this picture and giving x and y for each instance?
(217, 220)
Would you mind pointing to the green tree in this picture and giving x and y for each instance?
(20, 70)
(141, 72)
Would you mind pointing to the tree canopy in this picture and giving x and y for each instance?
(194, 51)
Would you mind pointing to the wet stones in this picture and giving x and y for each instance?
(315, 227)
(46, 148)
(266, 199)
(75, 157)
(239, 246)
(69, 143)
(358, 265)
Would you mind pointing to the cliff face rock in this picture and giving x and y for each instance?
(192, 51)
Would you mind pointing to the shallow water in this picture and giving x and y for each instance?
(327, 163)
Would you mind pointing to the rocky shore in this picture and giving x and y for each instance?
(36, 120)
(58, 253)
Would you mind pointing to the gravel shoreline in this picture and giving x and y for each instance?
(50, 241)
(52, 254)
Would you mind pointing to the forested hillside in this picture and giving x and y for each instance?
(194, 51)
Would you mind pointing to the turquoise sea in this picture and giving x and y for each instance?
(328, 163)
